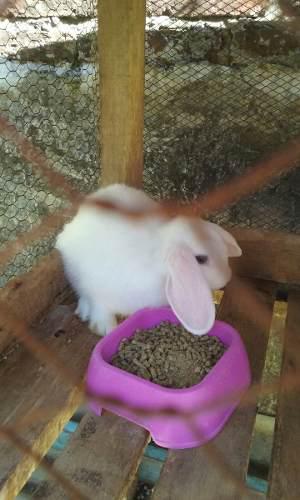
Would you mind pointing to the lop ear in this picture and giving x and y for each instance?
(233, 249)
(188, 292)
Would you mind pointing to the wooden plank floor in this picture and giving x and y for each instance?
(28, 385)
(101, 459)
(104, 454)
(285, 475)
(190, 474)
(30, 294)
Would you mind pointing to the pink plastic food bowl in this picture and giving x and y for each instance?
(194, 415)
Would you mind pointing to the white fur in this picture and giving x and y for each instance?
(118, 265)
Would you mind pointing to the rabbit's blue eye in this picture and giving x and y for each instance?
(202, 259)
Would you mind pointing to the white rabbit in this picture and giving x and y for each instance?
(119, 265)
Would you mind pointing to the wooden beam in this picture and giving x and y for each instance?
(267, 255)
(30, 294)
(122, 68)
(285, 470)
(30, 387)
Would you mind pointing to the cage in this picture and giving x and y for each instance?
(196, 98)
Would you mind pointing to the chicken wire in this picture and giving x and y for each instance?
(52, 101)
(222, 90)
(208, 115)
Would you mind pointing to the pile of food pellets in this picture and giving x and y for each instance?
(169, 355)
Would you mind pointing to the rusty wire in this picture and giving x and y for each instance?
(38, 160)
(254, 179)
(21, 330)
(9, 434)
(261, 174)
(242, 290)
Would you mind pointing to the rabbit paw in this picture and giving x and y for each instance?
(102, 323)
(83, 309)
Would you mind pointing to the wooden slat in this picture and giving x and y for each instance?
(285, 471)
(27, 385)
(266, 255)
(190, 474)
(30, 294)
(101, 459)
(121, 50)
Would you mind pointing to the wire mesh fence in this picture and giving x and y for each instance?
(52, 100)
(222, 86)
(222, 90)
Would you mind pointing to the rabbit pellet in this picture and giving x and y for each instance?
(169, 355)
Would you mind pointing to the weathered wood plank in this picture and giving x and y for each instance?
(30, 294)
(190, 474)
(29, 387)
(121, 50)
(266, 255)
(101, 459)
(285, 470)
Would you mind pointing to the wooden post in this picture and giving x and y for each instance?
(121, 37)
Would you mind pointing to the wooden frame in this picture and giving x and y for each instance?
(122, 69)
(29, 295)
(114, 464)
(266, 255)
(269, 256)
